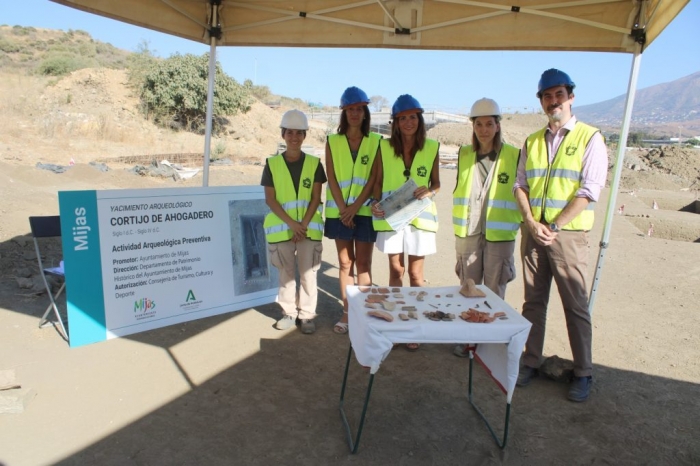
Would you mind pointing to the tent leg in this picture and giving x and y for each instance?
(210, 96)
(614, 186)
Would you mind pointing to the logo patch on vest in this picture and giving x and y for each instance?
(570, 150)
(422, 171)
(307, 183)
(364, 159)
(503, 178)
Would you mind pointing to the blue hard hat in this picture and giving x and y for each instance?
(551, 78)
(403, 103)
(353, 95)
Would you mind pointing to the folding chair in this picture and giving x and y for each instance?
(49, 227)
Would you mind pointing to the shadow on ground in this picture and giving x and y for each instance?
(280, 406)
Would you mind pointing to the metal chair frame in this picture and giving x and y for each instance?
(49, 227)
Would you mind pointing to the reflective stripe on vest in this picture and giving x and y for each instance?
(351, 177)
(295, 204)
(553, 186)
(503, 217)
(421, 168)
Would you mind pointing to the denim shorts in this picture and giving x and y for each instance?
(363, 231)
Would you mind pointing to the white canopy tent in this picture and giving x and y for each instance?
(624, 26)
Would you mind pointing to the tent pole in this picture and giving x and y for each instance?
(210, 96)
(621, 149)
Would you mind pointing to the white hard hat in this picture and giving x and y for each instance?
(485, 107)
(294, 119)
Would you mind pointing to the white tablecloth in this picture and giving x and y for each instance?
(500, 342)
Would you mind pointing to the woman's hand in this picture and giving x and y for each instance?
(422, 192)
(377, 210)
(299, 231)
(347, 216)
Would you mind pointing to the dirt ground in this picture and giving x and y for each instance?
(233, 390)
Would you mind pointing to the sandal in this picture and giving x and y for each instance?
(341, 328)
(412, 347)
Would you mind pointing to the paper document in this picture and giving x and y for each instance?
(400, 207)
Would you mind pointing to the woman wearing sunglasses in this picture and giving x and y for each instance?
(407, 154)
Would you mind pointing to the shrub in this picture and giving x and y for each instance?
(219, 150)
(9, 47)
(262, 93)
(139, 64)
(22, 31)
(60, 64)
(176, 89)
(87, 49)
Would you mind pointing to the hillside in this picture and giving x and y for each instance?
(29, 49)
(92, 115)
(662, 109)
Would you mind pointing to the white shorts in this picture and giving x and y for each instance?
(409, 240)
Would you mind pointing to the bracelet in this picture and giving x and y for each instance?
(433, 192)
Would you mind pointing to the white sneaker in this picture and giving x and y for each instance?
(285, 322)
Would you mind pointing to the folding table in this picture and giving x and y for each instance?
(498, 344)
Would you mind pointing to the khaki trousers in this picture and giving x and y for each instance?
(287, 256)
(487, 262)
(565, 260)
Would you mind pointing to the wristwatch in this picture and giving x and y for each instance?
(554, 227)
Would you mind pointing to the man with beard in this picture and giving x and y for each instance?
(561, 171)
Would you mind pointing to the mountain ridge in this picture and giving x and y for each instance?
(664, 109)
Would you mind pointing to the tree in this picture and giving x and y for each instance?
(262, 93)
(174, 92)
(378, 102)
(139, 64)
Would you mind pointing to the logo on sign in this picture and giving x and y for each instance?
(191, 301)
(144, 305)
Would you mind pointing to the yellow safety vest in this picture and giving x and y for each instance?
(503, 217)
(553, 186)
(351, 177)
(421, 168)
(295, 204)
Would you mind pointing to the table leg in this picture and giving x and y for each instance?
(499, 442)
(354, 444)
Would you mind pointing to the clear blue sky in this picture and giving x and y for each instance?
(320, 75)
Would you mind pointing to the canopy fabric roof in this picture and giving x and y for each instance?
(577, 25)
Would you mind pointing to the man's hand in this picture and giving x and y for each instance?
(541, 233)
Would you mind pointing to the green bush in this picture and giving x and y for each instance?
(139, 64)
(58, 48)
(262, 93)
(61, 64)
(219, 150)
(174, 92)
(22, 31)
(86, 49)
(9, 47)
